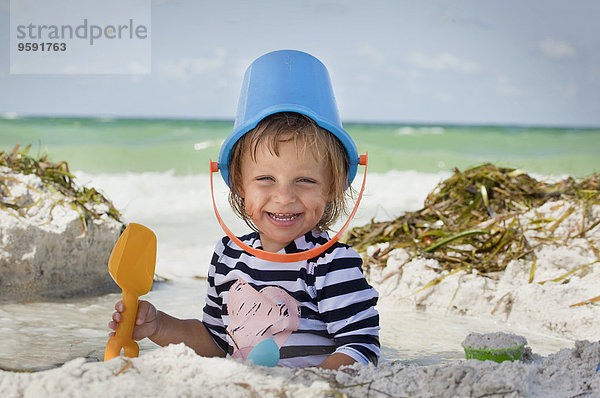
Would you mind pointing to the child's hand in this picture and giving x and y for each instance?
(146, 320)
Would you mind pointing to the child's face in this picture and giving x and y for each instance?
(285, 196)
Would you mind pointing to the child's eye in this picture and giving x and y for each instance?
(307, 180)
(265, 178)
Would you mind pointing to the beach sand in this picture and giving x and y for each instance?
(176, 371)
(559, 300)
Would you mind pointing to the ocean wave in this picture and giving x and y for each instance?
(407, 130)
(10, 116)
(198, 146)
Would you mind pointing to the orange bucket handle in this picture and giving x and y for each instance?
(282, 257)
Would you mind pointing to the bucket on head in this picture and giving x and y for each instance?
(287, 81)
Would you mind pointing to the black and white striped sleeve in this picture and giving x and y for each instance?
(347, 304)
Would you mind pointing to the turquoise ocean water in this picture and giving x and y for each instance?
(118, 145)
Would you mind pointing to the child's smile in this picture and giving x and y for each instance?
(283, 217)
(285, 196)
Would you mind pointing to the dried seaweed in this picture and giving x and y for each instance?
(57, 177)
(469, 221)
(587, 302)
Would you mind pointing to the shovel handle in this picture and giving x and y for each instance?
(123, 335)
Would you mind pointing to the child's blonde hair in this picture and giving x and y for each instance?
(306, 135)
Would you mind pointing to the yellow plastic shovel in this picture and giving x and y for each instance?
(131, 265)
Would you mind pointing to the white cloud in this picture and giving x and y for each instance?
(374, 54)
(222, 83)
(557, 48)
(443, 61)
(505, 87)
(186, 67)
(138, 71)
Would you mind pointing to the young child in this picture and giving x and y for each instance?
(288, 164)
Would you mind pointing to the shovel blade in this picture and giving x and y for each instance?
(133, 259)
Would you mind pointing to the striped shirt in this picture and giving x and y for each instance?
(337, 305)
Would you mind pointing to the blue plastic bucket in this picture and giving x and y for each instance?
(287, 81)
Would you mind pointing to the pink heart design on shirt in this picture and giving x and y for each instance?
(255, 316)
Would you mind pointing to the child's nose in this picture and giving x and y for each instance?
(285, 194)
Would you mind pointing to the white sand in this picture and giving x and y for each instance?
(175, 371)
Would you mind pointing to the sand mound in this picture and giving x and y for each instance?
(49, 245)
(560, 299)
(177, 371)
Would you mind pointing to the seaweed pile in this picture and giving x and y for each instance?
(57, 178)
(469, 222)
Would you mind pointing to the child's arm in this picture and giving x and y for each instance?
(164, 329)
(190, 332)
(335, 360)
(346, 303)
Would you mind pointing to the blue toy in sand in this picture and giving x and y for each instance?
(265, 353)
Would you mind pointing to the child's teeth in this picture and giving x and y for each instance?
(283, 217)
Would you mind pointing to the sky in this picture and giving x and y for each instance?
(508, 62)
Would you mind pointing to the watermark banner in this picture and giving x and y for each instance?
(80, 37)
